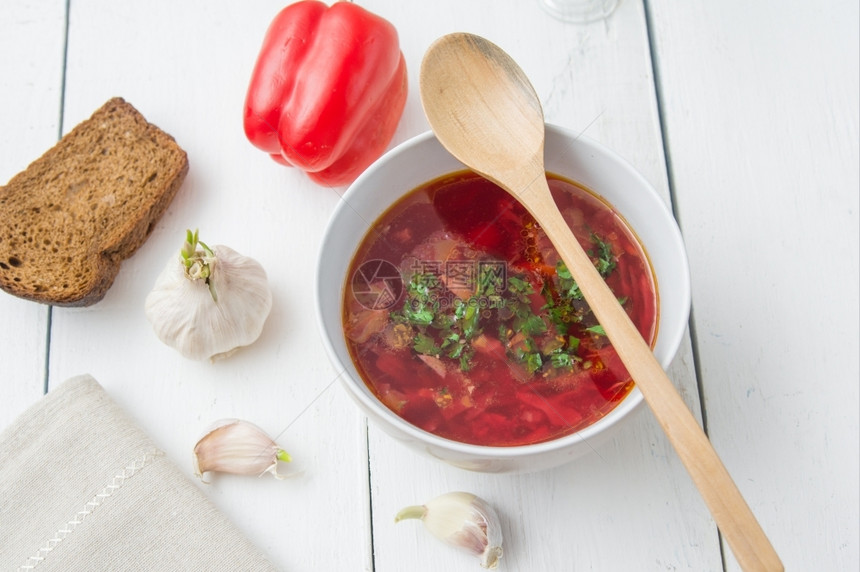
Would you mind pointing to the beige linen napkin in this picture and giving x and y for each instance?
(83, 488)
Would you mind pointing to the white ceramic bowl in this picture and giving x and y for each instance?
(568, 154)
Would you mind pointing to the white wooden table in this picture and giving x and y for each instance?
(744, 116)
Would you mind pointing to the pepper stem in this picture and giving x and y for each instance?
(415, 511)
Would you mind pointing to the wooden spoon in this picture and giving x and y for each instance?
(485, 112)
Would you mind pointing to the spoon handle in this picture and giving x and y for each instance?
(739, 527)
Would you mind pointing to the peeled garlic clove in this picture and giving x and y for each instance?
(207, 303)
(462, 520)
(237, 447)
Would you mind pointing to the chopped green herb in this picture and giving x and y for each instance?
(424, 344)
(466, 359)
(519, 286)
(420, 308)
(567, 285)
(530, 325)
(470, 320)
(557, 317)
(562, 271)
(561, 359)
(606, 261)
(451, 338)
(598, 329)
(422, 316)
(456, 351)
(532, 361)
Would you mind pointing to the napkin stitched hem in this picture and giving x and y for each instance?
(82, 487)
(114, 485)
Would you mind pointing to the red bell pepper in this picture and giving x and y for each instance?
(327, 91)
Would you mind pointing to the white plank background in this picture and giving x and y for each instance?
(758, 105)
(31, 74)
(761, 109)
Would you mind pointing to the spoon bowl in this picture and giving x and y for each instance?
(508, 146)
(485, 112)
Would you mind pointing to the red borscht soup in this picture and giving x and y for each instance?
(461, 317)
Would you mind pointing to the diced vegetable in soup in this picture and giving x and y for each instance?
(461, 317)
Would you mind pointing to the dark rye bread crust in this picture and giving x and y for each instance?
(71, 218)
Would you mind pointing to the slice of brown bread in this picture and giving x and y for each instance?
(71, 218)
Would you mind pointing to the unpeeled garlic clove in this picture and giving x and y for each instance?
(462, 520)
(237, 447)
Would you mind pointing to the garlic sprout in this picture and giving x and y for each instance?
(209, 302)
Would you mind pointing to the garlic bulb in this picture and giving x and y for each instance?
(237, 447)
(209, 302)
(462, 520)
